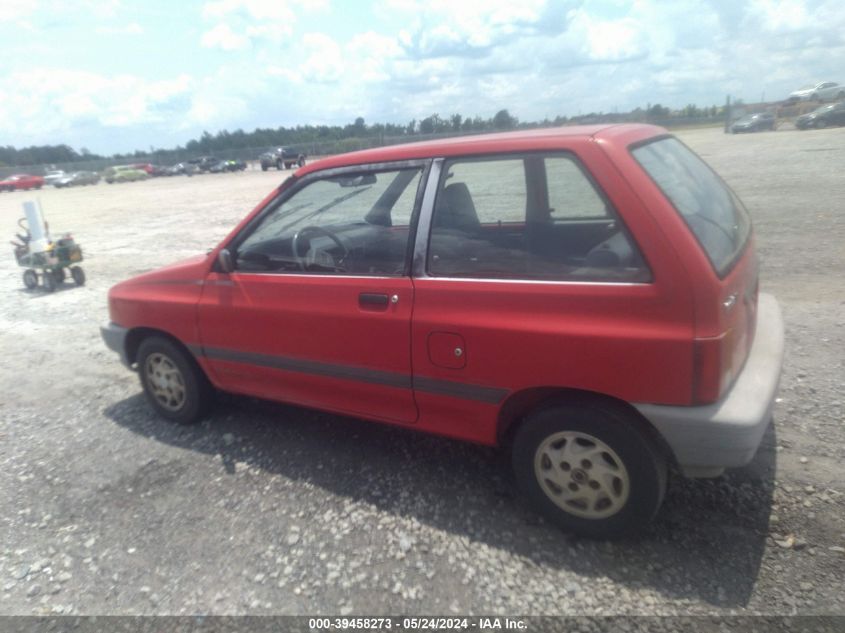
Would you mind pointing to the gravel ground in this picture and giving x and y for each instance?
(106, 509)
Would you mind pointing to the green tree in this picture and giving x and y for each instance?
(503, 120)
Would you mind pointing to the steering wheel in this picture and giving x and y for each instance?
(299, 235)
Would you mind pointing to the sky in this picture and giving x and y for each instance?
(120, 75)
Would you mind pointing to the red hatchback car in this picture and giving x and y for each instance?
(21, 181)
(586, 297)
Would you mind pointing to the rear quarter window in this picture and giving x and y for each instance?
(710, 209)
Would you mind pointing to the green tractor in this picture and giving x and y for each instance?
(34, 251)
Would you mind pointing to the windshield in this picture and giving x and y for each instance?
(711, 210)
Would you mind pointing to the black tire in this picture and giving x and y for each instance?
(30, 279)
(185, 396)
(49, 281)
(58, 275)
(78, 275)
(638, 470)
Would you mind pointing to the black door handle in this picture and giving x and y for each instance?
(372, 299)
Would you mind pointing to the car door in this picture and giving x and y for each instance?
(526, 278)
(316, 308)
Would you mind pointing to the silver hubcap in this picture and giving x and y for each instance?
(582, 475)
(165, 381)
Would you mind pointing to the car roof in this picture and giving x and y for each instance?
(568, 137)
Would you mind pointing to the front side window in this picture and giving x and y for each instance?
(355, 224)
(711, 210)
(534, 217)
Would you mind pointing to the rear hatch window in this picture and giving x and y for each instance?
(712, 211)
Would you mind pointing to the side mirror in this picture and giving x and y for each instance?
(224, 258)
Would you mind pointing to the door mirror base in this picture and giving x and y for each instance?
(225, 261)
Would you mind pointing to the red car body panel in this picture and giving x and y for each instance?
(315, 329)
(635, 342)
(165, 300)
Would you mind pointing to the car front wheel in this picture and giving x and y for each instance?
(589, 469)
(174, 384)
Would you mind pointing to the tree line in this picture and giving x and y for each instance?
(311, 135)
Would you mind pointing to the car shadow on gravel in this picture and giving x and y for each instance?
(706, 544)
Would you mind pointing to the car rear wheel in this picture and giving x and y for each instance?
(173, 382)
(590, 469)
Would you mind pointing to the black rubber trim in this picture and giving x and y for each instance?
(479, 393)
(490, 395)
(348, 372)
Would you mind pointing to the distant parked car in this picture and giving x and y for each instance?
(827, 115)
(77, 178)
(824, 91)
(123, 173)
(204, 163)
(754, 123)
(51, 177)
(152, 170)
(281, 158)
(21, 181)
(179, 169)
(228, 165)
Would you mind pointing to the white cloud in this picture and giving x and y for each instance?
(781, 15)
(442, 28)
(323, 58)
(270, 10)
(241, 22)
(133, 28)
(222, 36)
(13, 10)
(47, 101)
(608, 40)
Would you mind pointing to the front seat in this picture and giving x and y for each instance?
(456, 210)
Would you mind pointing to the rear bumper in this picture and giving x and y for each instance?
(726, 434)
(115, 339)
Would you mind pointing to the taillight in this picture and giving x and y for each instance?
(712, 368)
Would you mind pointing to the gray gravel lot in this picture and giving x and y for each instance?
(106, 509)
